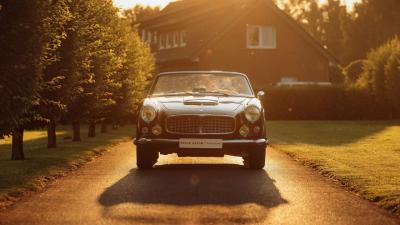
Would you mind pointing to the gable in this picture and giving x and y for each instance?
(293, 56)
(207, 21)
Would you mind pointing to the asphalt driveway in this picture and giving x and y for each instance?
(194, 191)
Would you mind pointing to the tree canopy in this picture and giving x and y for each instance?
(70, 60)
(349, 35)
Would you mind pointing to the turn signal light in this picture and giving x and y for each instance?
(244, 131)
(156, 130)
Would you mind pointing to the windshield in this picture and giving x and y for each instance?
(215, 84)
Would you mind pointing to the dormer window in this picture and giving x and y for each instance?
(183, 39)
(261, 37)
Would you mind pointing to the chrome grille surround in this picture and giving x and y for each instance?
(200, 124)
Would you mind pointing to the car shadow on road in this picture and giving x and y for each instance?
(205, 187)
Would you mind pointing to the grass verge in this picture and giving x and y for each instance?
(43, 165)
(364, 156)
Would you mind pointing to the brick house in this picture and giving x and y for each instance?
(254, 37)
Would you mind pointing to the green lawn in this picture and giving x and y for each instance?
(363, 155)
(42, 164)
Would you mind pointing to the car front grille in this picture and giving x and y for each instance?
(200, 124)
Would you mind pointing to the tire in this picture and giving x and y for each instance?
(145, 158)
(256, 159)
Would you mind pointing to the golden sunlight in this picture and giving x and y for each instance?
(349, 3)
(126, 4)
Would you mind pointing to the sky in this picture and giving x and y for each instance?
(130, 3)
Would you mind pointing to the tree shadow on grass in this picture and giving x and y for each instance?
(324, 133)
(214, 193)
(41, 161)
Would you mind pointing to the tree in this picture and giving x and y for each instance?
(335, 17)
(19, 65)
(392, 75)
(87, 41)
(75, 59)
(28, 52)
(327, 23)
(373, 23)
(105, 52)
(105, 67)
(139, 13)
(381, 76)
(136, 71)
(51, 105)
(308, 14)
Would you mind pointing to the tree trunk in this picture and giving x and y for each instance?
(92, 129)
(76, 129)
(103, 127)
(18, 144)
(51, 135)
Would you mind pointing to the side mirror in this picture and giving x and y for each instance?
(260, 94)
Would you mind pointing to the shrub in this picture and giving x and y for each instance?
(320, 103)
(352, 72)
(381, 76)
(392, 76)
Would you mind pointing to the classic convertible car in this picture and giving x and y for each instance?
(201, 114)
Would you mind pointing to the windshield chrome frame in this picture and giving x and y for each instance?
(149, 95)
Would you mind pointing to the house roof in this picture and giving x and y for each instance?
(180, 8)
(183, 10)
(193, 11)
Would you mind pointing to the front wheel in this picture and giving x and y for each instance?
(145, 157)
(255, 159)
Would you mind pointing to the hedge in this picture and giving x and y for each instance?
(322, 103)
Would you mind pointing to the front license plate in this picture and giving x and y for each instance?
(200, 143)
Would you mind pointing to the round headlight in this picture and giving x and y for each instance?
(252, 113)
(148, 114)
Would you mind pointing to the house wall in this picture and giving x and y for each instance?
(293, 57)
(200, 31)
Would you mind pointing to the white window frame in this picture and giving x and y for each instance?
(167, 40)
(175, 39)
(261, 45)
(183, 38)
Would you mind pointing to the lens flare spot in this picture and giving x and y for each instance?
(194, 180)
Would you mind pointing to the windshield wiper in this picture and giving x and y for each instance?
(214, 92)
(175, 93)
(195, 93)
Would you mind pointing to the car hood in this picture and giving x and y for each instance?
(216, 105)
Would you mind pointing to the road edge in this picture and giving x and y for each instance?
(17, 195)
(342, 182)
